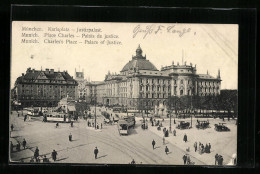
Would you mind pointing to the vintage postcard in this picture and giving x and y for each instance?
(123, 93)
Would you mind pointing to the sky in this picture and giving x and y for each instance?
(209, 46)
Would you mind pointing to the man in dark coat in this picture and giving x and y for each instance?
(184, 159)
(54, 155)
(166, 150)
(11, 146)
(209, 147)
(185, 138)
(70, 137)
(18, 146)
(45, 160)
(195, 146)
(71, 123)
(216, 159)
(36, 153)
(96, 152)
(25, 117)
(12, 127)
(153, 143)
(174, 132)
(24, 143)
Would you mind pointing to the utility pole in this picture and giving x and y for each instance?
(191, 110)
(95, 113)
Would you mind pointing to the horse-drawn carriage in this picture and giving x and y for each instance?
(183, 125)
(202, 124)
(221, 127)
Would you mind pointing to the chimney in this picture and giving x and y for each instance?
(28, 70)
(52, 71)
(22, 74)
(33, 70)
(47, 70)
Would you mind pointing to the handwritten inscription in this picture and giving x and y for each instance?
(145, 31)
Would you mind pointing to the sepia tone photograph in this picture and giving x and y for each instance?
(123, 93)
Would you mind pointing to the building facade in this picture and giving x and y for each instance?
(44, 88)
(140, 83)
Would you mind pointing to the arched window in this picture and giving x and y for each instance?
(181, 92)
(181, 81)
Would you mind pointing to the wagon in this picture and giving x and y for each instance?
(202, 124)
(221, 127)
(183, 125)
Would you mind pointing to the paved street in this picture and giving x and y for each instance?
(113, 148)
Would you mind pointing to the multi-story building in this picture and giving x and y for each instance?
(44, 88)
(141, 83)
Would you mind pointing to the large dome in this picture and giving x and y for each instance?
(139, 62)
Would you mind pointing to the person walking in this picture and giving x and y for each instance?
(45, 159)
(163, 140)
(71, 123)
(174, 132)
(195, 146)
(18, 146)
(185, 139)
(166, 150)
(12, 127)
(70, 137)
(36, 154)
(133, 161)
(209, 147)
(11, 146)
(57, 125)
(54, 155)
(188, 159)
(24, 143)
(184, 159)
(96, 152)
(25, 117)
(216, 159)
(101, 125)
(153, 143)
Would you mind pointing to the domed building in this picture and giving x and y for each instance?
(141, 84)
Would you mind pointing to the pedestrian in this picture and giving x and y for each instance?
(216, 159)
(36, 153)
(11, 146)
(71, 123)
(18, 146)
(206, 148)
(57, 125)
(166, 150)
(133, 161)
(70, 137)
(96, 152)
(209, 147)
(174, 121)
(220, 160)
(184, 159)
(18, 114)
(195, 146)
(174, 132)
(153, 143)
(12, 127)
(24, 143)
(163, 140)
(31, 161)
(101, 126)
(223, 118)
(97, 126)
(25, 117)
(54, 155)
(188, 159)
(45, 160)
(152, 123)
(185, 139)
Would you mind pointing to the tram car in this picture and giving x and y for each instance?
(125, 124)
(183, 125)
(221, 127)
(202, 124)
(56, 117)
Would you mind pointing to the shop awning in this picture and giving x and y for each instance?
(71, 108)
